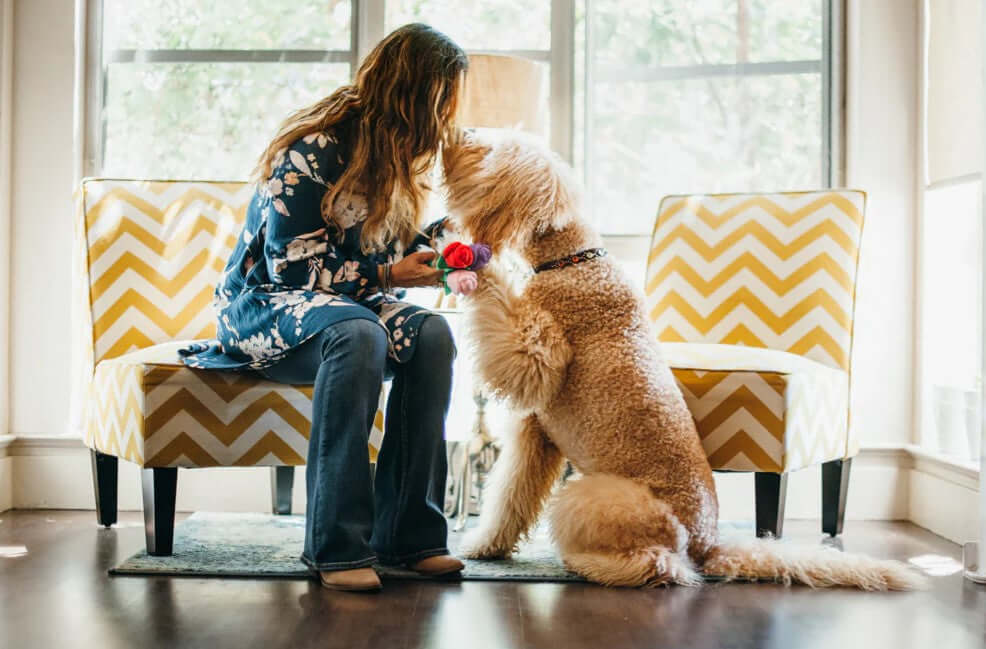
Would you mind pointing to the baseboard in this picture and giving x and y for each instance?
(6, 473)
(54, 473)
(944, 495)
(878, 489)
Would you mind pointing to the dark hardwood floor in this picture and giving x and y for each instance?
(59, 595)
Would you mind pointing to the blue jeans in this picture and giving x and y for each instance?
(354, 519)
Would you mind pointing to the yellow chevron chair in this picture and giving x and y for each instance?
(752, 298)
(148, 255)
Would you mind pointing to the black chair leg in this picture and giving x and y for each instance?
(835, 487)
(771, 490)
(104, 484)
(160, 489)
(281, 483)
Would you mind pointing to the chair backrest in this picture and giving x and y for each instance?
(149, 254)
(764, 270)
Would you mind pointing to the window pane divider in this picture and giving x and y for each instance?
(833, 92)
(953, 181)
(91, 119)
(226, 56)
(617, 74)
(562, 84)
(367, 28)
(534, 55)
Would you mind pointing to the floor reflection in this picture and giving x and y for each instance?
(12, 551)
(59, 594)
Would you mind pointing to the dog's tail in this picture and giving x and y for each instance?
(818, 567)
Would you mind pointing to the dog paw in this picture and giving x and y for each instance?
(479, 548)
(487, 553)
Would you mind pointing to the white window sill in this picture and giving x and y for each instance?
(961, 472)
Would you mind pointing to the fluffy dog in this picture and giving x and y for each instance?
(575, 354)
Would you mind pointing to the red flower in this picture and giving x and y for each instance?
(458, 255)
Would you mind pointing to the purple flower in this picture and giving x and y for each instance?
(481, 255)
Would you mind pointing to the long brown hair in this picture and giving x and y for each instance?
(401, 105)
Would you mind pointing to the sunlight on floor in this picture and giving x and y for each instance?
(936, 565)
(12, 551)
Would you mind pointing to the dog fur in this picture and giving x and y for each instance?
(575, 355)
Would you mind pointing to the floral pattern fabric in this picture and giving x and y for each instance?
(290, 276)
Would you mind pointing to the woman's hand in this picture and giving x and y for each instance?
(414, 270)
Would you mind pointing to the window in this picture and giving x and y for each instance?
(711, 96)
(951, 332)
(647, 97)
(950, 381)
(196, 89)
(486, 25)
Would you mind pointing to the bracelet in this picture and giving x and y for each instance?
(386, 278)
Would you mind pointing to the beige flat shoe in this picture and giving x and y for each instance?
(360, 579)
(437, 566)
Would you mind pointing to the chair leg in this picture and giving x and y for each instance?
(281, 483)
(160, 488)
(104, 484)
(771, 491)
(835, 487)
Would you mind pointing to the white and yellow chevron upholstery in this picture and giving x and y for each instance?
(761, 409)
(752, 296)
(149, 408)
(150, 254)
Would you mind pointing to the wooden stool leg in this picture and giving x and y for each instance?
(771, 491)
(105, 469)
(281, 484)
(160, 489)
(835, 487)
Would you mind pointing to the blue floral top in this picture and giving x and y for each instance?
(290, 276)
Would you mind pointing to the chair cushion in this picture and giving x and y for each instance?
(149, 408)
(761, 409)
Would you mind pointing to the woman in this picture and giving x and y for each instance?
(306, 298)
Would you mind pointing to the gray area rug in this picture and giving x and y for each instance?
(263, 545)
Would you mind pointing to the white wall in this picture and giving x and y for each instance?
(881, 154)
(42, 220)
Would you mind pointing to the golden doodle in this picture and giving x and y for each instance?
(574, 354)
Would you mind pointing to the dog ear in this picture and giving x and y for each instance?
(537, 191)
(507, 189)
(470, 198)
(497, 226)
(459, 145)
(451, 147)
(559, 196)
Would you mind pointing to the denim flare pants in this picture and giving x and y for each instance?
(353, 518)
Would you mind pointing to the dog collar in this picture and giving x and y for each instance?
(579, 257)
